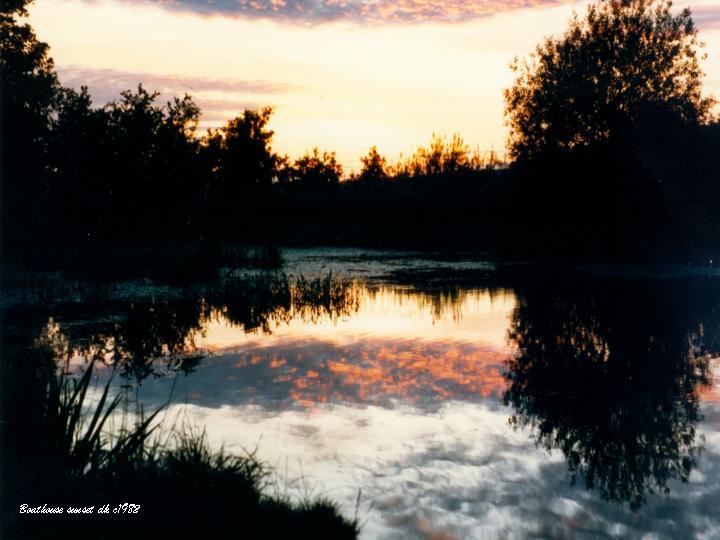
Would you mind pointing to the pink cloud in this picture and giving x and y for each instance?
(706, 17)
(318, 11)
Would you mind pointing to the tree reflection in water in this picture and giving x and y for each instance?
(146, 337)
(608, 371)
(610, 375)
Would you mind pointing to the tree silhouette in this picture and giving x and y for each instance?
(29, 84)
(178, 187)
(79, 147)
(315, 170)
(625, 60)
(374, 167)
(239, 153)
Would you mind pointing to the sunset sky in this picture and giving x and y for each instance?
(342, 74)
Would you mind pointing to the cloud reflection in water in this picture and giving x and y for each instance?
(402, 397)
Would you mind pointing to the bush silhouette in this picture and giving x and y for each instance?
(625, 60)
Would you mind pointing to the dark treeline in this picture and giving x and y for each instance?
(612, 144)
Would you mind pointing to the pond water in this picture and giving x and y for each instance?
(438, 397)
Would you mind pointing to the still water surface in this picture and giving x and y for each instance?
(445, 397)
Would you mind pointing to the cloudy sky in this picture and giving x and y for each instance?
(342, 74)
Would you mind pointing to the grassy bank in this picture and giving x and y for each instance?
(57, 451)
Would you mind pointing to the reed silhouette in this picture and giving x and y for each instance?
(56, 451)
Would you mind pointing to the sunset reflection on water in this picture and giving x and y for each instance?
(396, 346)
(454, 402)
(387, 312)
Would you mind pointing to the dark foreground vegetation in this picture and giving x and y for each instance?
(71, 433)
(613, 154)
(57, 452)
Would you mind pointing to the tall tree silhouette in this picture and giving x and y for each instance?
(241, 167)
(29, 84)
(79, 149)
(239, 153)
(610, 134)
(624, 60)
